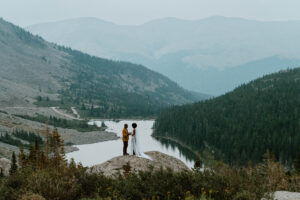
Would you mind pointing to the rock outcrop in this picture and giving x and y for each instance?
(159, 160)
(5, 165)
(284, 195)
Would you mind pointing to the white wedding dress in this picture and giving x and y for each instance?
(135, 147)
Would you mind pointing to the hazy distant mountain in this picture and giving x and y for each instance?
(220, 81)
(182, 49)
(31, 67)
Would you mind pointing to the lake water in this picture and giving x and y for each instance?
(97, 153)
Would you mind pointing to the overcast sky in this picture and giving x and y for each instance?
(28, 12)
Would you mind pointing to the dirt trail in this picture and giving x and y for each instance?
(67, 115)
(75, 113)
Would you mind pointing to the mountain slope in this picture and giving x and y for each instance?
(243, 124)
(31, 67)
(181, 49)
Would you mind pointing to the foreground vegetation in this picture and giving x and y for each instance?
(45, 174)
(241, 125)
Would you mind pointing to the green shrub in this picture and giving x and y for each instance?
(44, 173)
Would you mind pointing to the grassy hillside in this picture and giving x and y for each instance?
(242, 125)
(32, 68)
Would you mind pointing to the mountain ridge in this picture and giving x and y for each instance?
(189, 47)
(213, 17)
(45, 69)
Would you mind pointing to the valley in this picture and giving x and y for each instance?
(46, 85)
(69, 88)
(212, 107)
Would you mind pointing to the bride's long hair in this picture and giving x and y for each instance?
(139, 152)
(134, 125)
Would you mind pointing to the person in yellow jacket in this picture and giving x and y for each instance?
(125, 138)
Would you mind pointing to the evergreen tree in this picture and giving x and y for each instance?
(103, 125)
(297, 162)
(57, 151)
(1, 173)
(52, 155)
(39, 98)
(22, 157)
(83, 107)
(197, 165)
(47, 133)
(14, 166)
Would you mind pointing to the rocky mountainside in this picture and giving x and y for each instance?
(159, 160)
(31, 67)
(194, 53)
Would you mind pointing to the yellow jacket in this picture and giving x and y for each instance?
(125, 137)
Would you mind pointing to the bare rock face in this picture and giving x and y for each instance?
(159, 160)
(283, 195)
(5, 165)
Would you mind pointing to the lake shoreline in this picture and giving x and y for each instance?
(92, 140)
(71, 137)
(121, 119)
(113, 148)
(178, 143)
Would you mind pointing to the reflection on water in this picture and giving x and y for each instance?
(92, 154)
(187, 153)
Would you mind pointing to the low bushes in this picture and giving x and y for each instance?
(44, 173)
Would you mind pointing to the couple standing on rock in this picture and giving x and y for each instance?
(135, 144)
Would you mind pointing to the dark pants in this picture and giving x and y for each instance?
(125, 145)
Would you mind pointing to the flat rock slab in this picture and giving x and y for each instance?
(283, 195)
(159, 160)
(5, 165)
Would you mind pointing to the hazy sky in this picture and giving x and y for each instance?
(27, 12)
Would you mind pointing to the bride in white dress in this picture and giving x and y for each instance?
(135, 144)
